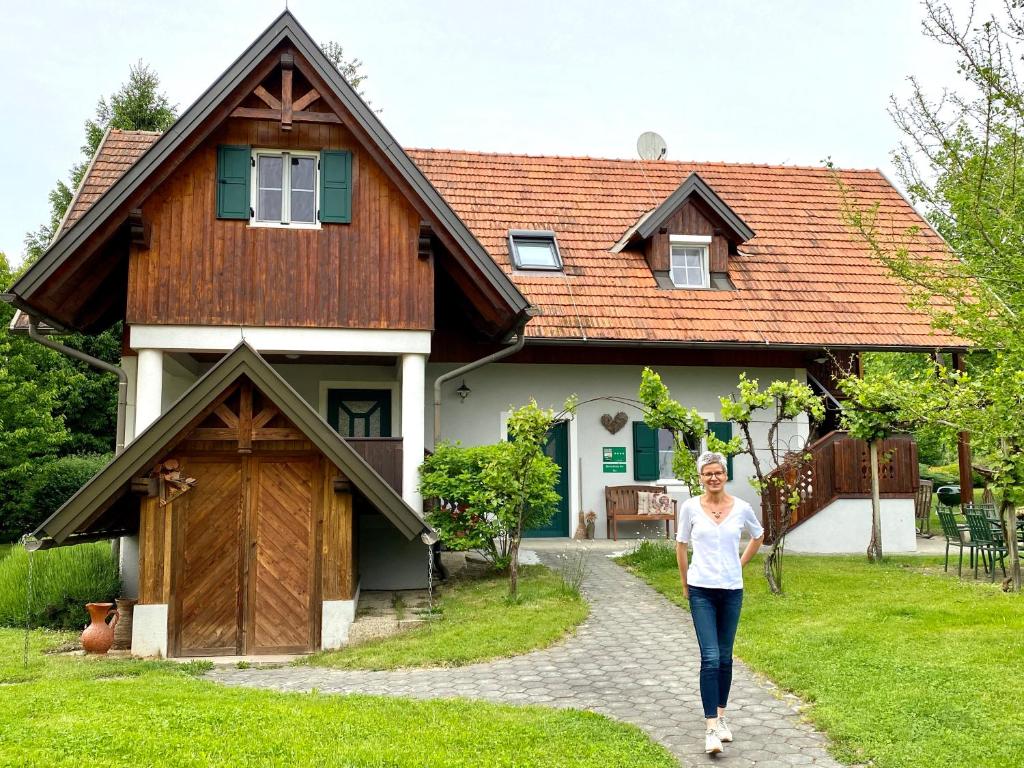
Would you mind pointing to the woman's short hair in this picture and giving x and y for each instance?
(710, 457)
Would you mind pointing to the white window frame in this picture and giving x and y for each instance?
(691, 241)
(672, 481)
(286, 196)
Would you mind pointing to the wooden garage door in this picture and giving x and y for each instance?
(208, 606)
(281, 573)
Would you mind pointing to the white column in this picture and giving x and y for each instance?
(413, 402)
(149, 388)
(129, 365)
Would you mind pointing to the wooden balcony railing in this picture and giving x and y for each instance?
(840, 468)
(384, 454)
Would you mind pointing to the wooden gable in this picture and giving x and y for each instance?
(199, 269)
(151, 248)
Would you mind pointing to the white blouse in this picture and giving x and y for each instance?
(716, 560)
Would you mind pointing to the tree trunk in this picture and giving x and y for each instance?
(1008, 516)
(513, 569)
(875, 545)
(773, 560)
(773, 566)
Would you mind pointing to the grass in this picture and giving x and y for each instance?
(902, 668)
(63, 581)
(475, 622)
(74, 711)
(4, 549)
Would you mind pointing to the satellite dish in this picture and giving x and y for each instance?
(650, 146)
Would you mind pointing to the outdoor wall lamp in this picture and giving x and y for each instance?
(463, 391)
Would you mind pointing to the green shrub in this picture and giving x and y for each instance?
(63, 581)
(44, 489)
(947, 474)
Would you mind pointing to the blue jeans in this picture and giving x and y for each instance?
(716, 613)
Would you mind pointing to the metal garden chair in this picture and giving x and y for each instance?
(957, 535)
(988, 538)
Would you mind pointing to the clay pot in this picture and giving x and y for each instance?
(123, 630)
(99, 636)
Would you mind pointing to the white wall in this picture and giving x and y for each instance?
(844, 527)
(496, 387)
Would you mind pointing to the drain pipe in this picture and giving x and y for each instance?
(504, 352)
(122, 377)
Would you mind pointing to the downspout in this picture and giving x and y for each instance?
(491, 358)
(122, 377)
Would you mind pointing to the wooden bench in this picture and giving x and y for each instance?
(620, 503)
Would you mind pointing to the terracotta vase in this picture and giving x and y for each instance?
(99, 636)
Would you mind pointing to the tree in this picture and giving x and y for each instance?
(350, 69)
(961, 159)
(784, 402)
(30, 430)
(874, 409)
(490, 495)
(138, 105)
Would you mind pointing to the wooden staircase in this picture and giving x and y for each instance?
(840, 468)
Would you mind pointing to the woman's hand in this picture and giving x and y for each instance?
(686, 591)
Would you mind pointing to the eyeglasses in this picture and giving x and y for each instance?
(712, 475)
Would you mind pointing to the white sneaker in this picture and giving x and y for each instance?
(723, 730)
(712, 744)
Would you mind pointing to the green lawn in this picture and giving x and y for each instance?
(74, 711)
(476, 622)
(904, 668)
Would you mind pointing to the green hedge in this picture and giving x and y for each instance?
(63, 581)
(32, 497)
(947, 474)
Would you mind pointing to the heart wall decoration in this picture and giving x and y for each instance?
(614, 423)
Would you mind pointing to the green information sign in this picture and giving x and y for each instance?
(616, 467)
(614, 453)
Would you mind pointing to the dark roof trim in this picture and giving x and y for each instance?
(547, 341)
(284, 27)
(139, 455)
(694, 185)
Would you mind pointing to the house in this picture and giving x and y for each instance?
(295, 288)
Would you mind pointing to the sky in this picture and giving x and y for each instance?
(787, 81)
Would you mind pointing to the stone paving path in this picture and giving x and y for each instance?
(634, 659)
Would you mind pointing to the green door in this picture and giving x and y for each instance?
(557, 447)
(360, 412)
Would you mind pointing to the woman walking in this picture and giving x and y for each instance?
(713, 584)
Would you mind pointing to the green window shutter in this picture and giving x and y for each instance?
(234, 169)
(645, 452)
(723, 431)
(335, 187)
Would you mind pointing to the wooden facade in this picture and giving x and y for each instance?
(245, 558)
(692, 218)
(840, 468)
(201, 270)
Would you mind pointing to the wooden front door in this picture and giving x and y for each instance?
(557, 448)
(247, 557)
(281, 569)
(208, 592)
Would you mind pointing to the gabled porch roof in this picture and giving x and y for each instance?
(83, 515)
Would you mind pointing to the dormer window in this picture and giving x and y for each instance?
(534, 249)
(688, 267)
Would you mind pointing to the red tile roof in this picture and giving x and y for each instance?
(116, 154)
(804, 279)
